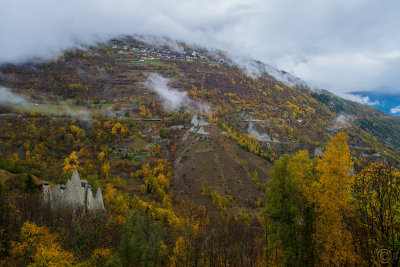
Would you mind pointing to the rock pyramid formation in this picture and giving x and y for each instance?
(76, 193)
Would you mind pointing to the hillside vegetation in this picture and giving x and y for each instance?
(212, 167)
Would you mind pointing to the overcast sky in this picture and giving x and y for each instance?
(340, 45)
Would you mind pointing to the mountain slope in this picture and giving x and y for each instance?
(99, 101)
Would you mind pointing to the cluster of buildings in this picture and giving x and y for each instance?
(76, 193)
(149, 52)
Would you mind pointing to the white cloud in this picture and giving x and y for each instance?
(360, 99)
(395, 110)
(342, 121)
(7, 97)
(339, 45)
(173, 99)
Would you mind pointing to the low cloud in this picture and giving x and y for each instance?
(395, 110)
(7, 97)
(172, 98)
(365, 100)
(10, 98)
(248, 65)
(160, 41)
(79, 114)
(342, 121)
(342, 46)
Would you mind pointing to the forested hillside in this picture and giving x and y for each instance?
(199, 162)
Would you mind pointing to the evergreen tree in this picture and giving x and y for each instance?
(31, 185)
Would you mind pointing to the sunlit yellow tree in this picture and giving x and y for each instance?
(332, 197)
(376, 198)
(38, 247)
(71, 162)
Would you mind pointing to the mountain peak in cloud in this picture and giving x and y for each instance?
(337, 45)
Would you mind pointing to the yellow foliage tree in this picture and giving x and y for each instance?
(38, 247)
(186, 252)
(101, 156)
(332, 198)
(180, 252)
(78, 132)
(71, 162)
(105, 169)
(376, 198)
(99, 257)
(117, 202)
(115, 128)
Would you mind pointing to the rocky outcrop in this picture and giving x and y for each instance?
(76, 193)
(258, 133)
(198, 125)
(318, 152)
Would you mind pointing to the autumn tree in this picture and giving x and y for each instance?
(71, 162)
(376, 198)
(101, 156)
(332, 197)
(37, 246)
(188, 246)
(117, 202)
(156, 180)
(105, 170)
